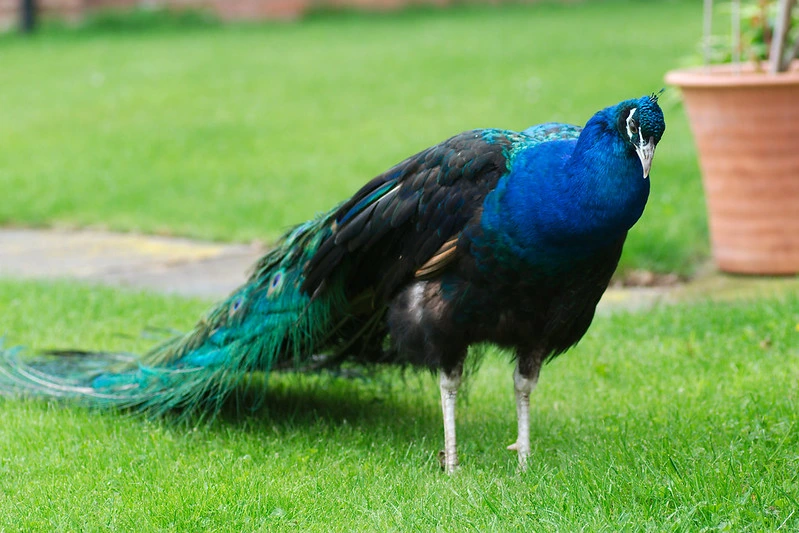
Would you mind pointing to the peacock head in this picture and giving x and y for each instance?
(640, 123)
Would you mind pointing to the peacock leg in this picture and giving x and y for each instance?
(449, 383)
(525, 378)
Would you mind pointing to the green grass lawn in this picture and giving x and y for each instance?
(235, 133)
(678, 419)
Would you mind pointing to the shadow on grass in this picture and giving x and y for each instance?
(403, 402)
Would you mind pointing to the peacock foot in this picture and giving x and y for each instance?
(523, 455)
(449, 468)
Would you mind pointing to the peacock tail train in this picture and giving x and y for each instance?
(267, 323)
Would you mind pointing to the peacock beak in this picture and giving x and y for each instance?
(645, 153)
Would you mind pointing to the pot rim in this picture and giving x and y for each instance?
(726, 76)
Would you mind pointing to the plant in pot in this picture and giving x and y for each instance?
(744, 115)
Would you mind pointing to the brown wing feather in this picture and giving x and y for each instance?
(443, 257)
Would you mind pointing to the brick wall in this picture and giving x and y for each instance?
(74, 10)
(258, 9)
(71, 10)
(8, 13)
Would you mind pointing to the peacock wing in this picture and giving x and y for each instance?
(408, 220)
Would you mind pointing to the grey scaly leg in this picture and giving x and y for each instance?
(449, 383)
(523, 385)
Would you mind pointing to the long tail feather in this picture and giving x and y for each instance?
(268, 322)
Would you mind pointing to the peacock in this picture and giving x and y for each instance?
(491, 236)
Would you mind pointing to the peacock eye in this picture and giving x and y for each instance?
(631, 124)
(235, 306)
(274, 284)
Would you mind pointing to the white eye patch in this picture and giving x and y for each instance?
(632, 127)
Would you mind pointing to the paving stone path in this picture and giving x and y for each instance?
(212, 270)
(165, 264)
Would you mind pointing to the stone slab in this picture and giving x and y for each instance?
(167, 264)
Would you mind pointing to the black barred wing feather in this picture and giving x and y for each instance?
(407, 220)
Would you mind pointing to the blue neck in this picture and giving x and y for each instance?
(568, 197)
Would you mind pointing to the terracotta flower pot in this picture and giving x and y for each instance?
(746, 128)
